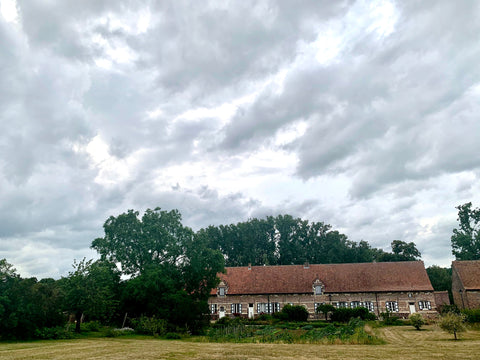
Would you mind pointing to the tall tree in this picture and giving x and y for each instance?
(172, 269)
(466, 239)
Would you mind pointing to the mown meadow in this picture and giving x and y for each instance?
(399, 342)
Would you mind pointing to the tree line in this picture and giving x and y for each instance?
(154, 266)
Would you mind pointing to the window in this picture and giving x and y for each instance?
(424, 305)
(318, 289)
(268, 308)
(355, 304)
(213, 308)
(236, 308)
(221, 291)
(340, 304)
(391, 306)
(369, 305)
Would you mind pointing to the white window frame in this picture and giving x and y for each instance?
(221, 291)
(236, 308)
(424, 305)
(318, 289)
(369, 305)
(213, 308)
(391, 306)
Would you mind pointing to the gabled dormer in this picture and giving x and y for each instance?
(318, 287)
(222, 288)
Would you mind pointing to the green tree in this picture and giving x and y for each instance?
(325, 309)
(417, 320)
(27, 305)
(91, 290)
(172, 269)
(401, 251)
(452, 323)
(466, 239)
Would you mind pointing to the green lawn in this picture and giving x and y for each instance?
(403, 342)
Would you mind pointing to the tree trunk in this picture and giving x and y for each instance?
(78, 321)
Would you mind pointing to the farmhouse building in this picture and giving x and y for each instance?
(399, 287)
(466, 284)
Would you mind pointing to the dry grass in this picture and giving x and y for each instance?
(402, 343)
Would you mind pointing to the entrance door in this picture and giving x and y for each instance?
(412, 307)
(221, 313)
(250, 311)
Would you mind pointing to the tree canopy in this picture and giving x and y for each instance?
(172, 269)
(285, 240)
(466, 239)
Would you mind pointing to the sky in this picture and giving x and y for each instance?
(361, 114)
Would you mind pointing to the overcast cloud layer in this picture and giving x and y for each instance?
(360, 114)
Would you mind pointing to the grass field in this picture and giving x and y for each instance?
(402, 343)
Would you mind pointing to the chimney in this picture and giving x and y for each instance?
(249, 266)
(306, 265)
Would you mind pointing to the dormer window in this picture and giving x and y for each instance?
(222, 289)
(318, 287)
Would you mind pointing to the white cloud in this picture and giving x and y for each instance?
(361, 114)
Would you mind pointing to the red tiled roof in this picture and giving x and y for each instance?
(469, 273)
(337, 278)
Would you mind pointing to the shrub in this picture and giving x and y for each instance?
(417, 320)
(450, 309)
(295, 312)
(389, 319)
(172, 336)
(452, 323)
(58, 332)
(472, 315)
(345, 315)
(264, 317)
(93, 326)
(149, 325)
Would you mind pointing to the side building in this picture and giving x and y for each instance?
(466, 284)
(399, 287)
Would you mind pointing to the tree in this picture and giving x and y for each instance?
(91, 290)
(325, 309)
(27, 305)
(452, 323)
(401, 251)
(172, 269)
(441, 279)
(466, 239)
(417, 320)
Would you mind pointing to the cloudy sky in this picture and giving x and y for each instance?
(360, 114)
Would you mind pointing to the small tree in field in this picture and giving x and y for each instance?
(452, 323)
(417, 321)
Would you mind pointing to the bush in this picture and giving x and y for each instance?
(172, 336)
(417, 320)
(450, 309)
(264, 317)
(149, 325)
(295, 312)
(389, 319)
(93, 326)
(472, 315)
(58, 332)
(345, 315)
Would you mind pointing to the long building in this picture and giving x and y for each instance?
(399, 287)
